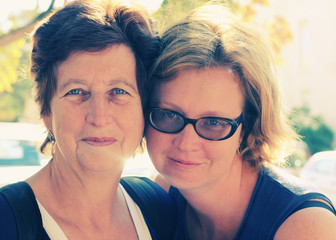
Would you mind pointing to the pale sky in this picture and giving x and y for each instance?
(8, 7)
(16, 6)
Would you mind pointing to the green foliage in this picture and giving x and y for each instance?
(11, 54)
(314, 131)
(299, 156)
(174, 10)
(15, 86)
(12, 104)
(9, 61)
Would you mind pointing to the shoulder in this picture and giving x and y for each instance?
(308, 223)
(279, 198)
(289, 193)
(7, 221)
(140, 186)
(288, 185)
(157, 207)
(147, 194)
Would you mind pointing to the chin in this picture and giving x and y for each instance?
(101, 161)
(182, 182)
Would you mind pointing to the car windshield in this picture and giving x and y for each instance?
(18, 152)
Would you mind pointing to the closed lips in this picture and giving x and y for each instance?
(184, 162)
(100, 141)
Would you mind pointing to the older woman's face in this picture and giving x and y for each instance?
(96, 114)
(185, 159)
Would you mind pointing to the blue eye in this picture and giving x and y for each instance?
(78, 94)
(213, 122)
(118, 95)
(170, 114)
(75, 92)
(119, 91)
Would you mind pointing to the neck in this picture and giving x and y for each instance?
(86, 205)
(218, 212)
(77, 193)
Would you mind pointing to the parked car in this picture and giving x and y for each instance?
(320, 170)
(15, 152)
(19, 154)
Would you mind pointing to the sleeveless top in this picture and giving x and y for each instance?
(276, 196)
(151, 208)
(56, 233)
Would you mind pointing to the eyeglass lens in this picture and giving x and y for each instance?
(211, 128)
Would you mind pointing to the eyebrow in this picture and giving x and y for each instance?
(72, 81)
(84, 82)
(177, 108)
(115, 81)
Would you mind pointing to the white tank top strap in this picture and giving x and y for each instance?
(138, 219)
(50, 226)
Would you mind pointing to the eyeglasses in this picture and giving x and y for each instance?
(211, 128)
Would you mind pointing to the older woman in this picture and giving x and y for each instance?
(216, 130)
(89, 63)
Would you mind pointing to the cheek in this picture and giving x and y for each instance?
(67, 122)
(137, 128)
(151, 137)
(131, 123)
(225, 150)
(131, 119)
(156, 143)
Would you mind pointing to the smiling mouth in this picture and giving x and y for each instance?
(99, 141)
(183, 164)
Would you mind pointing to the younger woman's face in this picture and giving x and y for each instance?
(185, 159)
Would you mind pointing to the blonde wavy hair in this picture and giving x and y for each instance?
(212, 36)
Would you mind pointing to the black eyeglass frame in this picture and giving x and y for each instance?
(233, 122)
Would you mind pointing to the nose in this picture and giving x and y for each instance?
(98, 111)
(187, 139)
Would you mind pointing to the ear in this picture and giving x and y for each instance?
(47, 122)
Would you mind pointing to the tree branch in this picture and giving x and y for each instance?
(23, 31)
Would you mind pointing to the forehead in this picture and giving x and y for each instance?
(214, 89)
(116, 62)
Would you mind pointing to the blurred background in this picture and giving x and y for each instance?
(302, 34)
